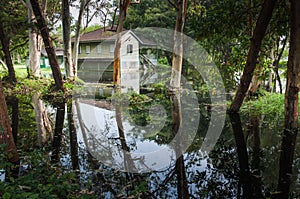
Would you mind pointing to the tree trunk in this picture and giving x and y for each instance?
(35, 45)
(178, 44)
(290, 104)
(7, 55)
(77, 37)
(48, 45)
(6, 136)
(124, 4)
(271, 70)
(66, 20)
(256, 41)
(43, 123)
(255, 82)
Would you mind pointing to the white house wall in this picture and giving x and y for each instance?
(130, 77)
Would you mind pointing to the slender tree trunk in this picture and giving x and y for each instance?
(7, 55)
(43, 123)
(77, 37)
(291, 104)
(271, 70)
(256, 41)
(66, 20)
(178, 44)
(6, 136)
(124, 4)
(48, 45)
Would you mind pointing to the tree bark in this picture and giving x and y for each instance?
(48, 45)
(66, 21)
(35, 45)
(6, 136)
(291, 104)
(124, 4)
(178, 44)
(255, 45)
(7, 55)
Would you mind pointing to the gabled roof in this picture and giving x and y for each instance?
(97, 35)
(109, 34)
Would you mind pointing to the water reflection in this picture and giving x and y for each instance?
(73, 136)
(58, 131)
(109, 138)
(245, 176)
(182, 185)
(243, 164)
(43, 123)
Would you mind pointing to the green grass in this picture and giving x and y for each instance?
(21, 71)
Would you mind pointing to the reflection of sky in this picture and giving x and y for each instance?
(101, 125)
(2, 175)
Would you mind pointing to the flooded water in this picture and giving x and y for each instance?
(133, 152)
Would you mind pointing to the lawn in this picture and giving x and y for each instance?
(21, 71)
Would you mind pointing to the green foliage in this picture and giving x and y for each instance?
(271, 104)
(43, 180)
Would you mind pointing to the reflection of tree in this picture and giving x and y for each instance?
(253, 129)
(73, 136)
(43, 123)
(242, 154)
(59, 124)
(128, 161)
(182, 186)
(14, 102)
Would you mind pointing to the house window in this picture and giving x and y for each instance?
(79, 49)
(129, 48)
(111, 48)
(99, 48)
(87, 49)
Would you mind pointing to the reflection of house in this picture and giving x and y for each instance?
(96, 56)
